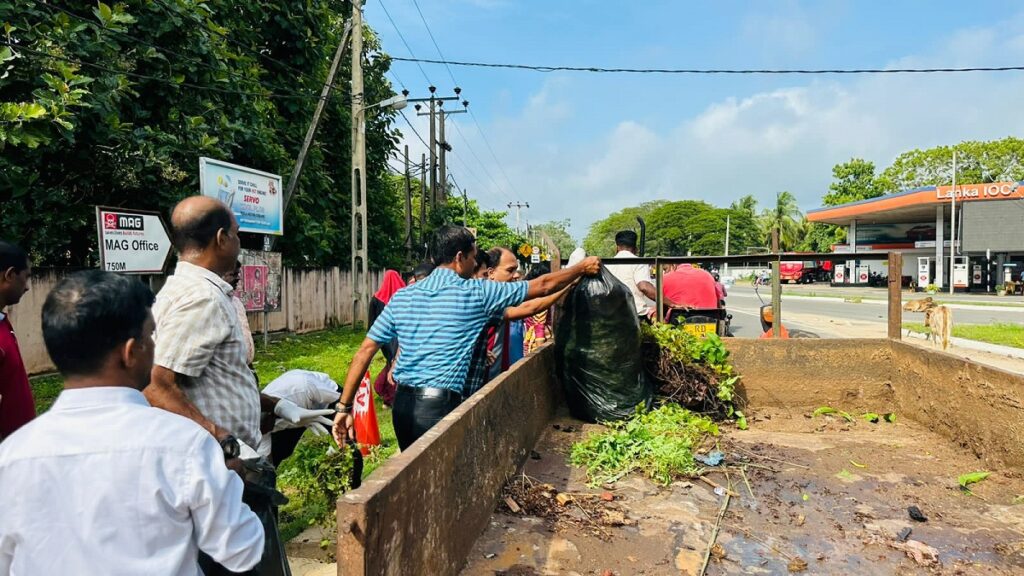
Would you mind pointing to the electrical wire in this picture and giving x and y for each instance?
(413, 128)
(480, 162)
(402, 38)
(712, 71)
(434, 40)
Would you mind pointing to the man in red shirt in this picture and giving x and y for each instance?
(689, 287)
(17, 407)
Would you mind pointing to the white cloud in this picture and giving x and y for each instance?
(785, 139)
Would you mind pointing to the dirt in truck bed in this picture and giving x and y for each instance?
(821, 492)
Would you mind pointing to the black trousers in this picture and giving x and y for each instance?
(416, 410)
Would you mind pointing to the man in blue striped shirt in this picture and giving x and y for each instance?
(437, 322)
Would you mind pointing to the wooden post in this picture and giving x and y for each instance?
(776, 288)
(895, 295)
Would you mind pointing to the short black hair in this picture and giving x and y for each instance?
(494, 254)
(90, 313)
(626, 239)
(423, 270)
(12, 256)
(198, 231)
(483, 259)
(538, 270)
(449, 241)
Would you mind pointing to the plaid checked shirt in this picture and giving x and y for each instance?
(198, 336)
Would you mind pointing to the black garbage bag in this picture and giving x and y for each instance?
(597, 351)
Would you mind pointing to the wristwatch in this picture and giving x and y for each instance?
(230, 447)
(343, 408)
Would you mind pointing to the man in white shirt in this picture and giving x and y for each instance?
(103, 483)
(636, 277)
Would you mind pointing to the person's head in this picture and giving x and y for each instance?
(98, 327)
(14, 274)
(206, 233)
(483, 264)
(504, 265)
(538, 270)
(716, 276)
(626, 240)
(234, 276)
(455, 248)
(421, 271)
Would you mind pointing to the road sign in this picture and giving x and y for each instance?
(132, 241)
(254, 196)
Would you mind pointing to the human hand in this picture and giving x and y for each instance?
(492, 357)
(291, 412)
(590, 265)
(344, 428)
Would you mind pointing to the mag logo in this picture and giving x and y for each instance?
(114, 221)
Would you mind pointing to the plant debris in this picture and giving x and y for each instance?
(797, 564)
(966, 480)
(561, 510)
(658, 443)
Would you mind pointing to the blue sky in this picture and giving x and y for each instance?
(580, 146)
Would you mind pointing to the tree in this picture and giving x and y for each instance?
(558, 231)
(491, 229)
(113, 104)
(600, 240)
(977, 162)
(671, 227)
(785, 217)
(746, 204)
(852, 181)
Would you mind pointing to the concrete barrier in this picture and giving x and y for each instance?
(422, 511)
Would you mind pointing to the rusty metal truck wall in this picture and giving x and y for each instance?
(422, 511)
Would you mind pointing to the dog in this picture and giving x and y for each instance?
(937, 319)
(919, 305)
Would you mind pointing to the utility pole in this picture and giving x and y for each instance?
(408, 207)
(776, 287)
(360, 284)
(725, 266)
(433, 147)
(442, 178)
(423, 202)
(518, 206)
(952, 228)
(465, 207)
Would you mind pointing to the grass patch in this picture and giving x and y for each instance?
(329, 351)
(1003, 334)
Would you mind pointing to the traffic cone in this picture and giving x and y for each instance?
(365, 415)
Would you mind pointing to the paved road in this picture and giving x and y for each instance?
(831, 319)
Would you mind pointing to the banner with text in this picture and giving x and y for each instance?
(254, 196)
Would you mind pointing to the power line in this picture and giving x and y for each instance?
(432, 39)
(482, 165)
(413, 128)
(400, 36)
(711, 71)
(493, 155)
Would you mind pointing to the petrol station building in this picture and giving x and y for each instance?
(989, 247)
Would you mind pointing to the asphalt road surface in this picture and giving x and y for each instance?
(827, 318)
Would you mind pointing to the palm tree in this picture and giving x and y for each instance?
(785, 216)
(746, 204)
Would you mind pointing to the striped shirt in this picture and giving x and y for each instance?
(198, 335)
(437, 322)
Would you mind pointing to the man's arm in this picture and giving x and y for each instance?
(648, 289)
(163, 392)
(550, 283)
(360, 362)
(535, 306)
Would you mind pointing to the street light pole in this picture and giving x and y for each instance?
(952, 228)
(360, 276)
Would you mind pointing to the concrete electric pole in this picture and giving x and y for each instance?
(360, 276)
(408, 207)
(518, 206)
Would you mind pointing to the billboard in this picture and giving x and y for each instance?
(254, 196)
(259, 287)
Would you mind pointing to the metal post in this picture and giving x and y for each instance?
(725, 266)
(408, 207)
(360, 276)
(660, 300)
(952, 228)
(776, 288)
(895, 295)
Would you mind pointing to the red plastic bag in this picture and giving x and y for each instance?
(365, 415)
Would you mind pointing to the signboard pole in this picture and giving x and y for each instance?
(267, 241)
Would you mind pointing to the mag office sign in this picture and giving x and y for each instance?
(254, 196)
(132, 241)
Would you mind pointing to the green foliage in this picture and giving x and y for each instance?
(977, 162)
(600, 240)
(558, 231)
(966, 480)
(852, 181)
(318, 477)
(786, 217)
(491, 229)
(830, 410)
(683, 347)
(658, 444)
(75, 135)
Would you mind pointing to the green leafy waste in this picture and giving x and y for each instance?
(318, 475)
(966, 480)
(830, 410)
(658, 443)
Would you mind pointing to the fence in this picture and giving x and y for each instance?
(311, 299)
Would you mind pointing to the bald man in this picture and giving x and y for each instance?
(200, 367)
